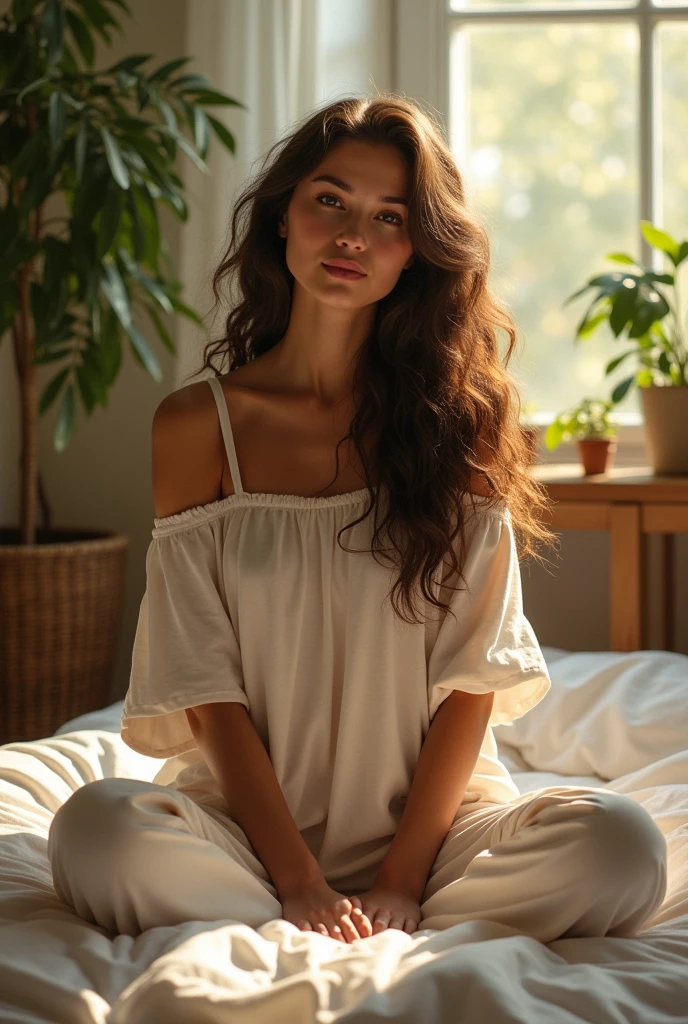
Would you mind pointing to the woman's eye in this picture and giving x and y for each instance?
(328, 195)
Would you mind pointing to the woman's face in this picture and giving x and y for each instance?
(348, 219)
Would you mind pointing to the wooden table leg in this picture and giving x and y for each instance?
(666, 591)
(626, 583)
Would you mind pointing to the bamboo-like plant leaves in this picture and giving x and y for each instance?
(109, 221)
(80, 144)
(145, 280)
(115, 172)
(64, 428)
(51, 391)
(82, 37)
(114, 159)
(51, 32)
(116, 294)
(166, 338)
(110, 348)
(224, 135)
(165, 70)
(57, 119)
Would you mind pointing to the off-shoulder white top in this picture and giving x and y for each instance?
(251, 599)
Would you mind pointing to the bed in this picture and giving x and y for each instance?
(613, 719)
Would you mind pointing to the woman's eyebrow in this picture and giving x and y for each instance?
(348, 188)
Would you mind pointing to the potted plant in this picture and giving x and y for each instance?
(592, 424)
(105, 143)
(644, 306)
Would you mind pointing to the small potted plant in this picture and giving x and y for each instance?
(592, 424)
(640, 305)
(104, 145)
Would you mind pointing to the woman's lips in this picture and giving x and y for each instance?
(341, 272)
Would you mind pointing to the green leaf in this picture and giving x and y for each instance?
(612, 365)
(147, 359)
(57, 119)
(161, 329)
(51, 29)
(30, 88)
(620, 257)
(663, 363)
(52, 355)
(115, 292)
(186, 311)
(623, 309)
(82, 37)
(188, 83)
(151, 228)
(99, 17)
(110, 348)
(621, 389)
(109, 221)
(114, 158)
(138, 235)
(224, 135)
(64, 427)
(211, 98)
(554, 435)
(590, 323)
(659, 239)
(186, 146)
(80, 150)
(165, 70)
(51, 391)
(128, 63)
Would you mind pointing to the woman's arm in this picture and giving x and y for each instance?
(235, 754)
(445, 765)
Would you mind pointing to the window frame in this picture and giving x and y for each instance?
(421, 34)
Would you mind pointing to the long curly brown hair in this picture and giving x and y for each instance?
(429, 384)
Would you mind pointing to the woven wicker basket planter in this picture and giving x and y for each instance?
(61, 604)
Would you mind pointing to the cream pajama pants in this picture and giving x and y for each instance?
(557, 862)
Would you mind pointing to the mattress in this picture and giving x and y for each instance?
(618, 720)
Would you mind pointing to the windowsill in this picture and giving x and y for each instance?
(631, 451)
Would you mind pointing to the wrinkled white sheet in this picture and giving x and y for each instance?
(55, 967)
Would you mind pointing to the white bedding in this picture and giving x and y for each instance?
(604, 711)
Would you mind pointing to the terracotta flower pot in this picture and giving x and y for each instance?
(597, 454)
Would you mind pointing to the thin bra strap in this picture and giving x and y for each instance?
(226, 427)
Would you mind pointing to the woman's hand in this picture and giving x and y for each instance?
(388, 908)
(319, 908)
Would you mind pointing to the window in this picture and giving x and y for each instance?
(569, 122)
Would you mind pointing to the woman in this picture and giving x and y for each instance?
(330, 756)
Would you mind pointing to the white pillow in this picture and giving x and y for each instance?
(606, 713)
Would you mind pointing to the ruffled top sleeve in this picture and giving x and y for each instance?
(185, 649)
(490, 645)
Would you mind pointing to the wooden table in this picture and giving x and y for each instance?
(629, 502)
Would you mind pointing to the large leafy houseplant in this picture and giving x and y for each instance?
(639, 304)
(635, 302)
(103, 145)
(106, 143)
